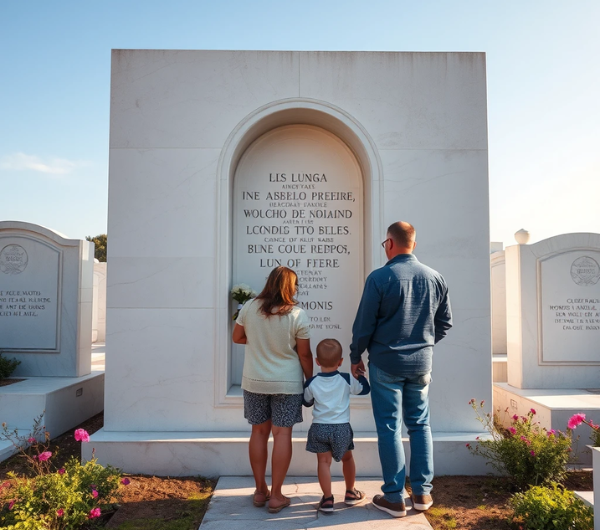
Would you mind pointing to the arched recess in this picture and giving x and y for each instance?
(297, 111)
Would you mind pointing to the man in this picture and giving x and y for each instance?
(403, 312)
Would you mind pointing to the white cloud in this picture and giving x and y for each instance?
(52, 166)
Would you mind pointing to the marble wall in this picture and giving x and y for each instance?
(45, 300)
(181, 122)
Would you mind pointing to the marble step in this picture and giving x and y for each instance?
(215, 454)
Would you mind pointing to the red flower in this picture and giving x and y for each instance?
(576, 419)
(81, 435)
(94, 513)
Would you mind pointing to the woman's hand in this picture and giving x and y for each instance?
(305, 356)
(239, 335)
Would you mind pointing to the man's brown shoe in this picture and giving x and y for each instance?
(422, 503)
(395, 509)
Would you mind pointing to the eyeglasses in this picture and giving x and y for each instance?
(383, 244)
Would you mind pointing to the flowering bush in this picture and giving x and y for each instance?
(62, 499)
(551, 507)
(241, 293)
(578, 419)
(526, 452)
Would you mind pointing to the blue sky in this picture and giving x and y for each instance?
(543, 91)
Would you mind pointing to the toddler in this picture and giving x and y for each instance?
(330, 435)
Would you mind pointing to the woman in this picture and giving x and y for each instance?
(277, 338)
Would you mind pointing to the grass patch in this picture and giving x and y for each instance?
(441, 518)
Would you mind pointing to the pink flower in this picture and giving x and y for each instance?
(94, 513)
(512, 430)
(551, 432)
(81, 435)
(61, 471)
(472, 401)
(125, 481)
(532, 453)
(576, 419)
(482, 403)
(532, 411)
(60, 512)
(44, 456)
(94, 494)
(31, 440)
(515, 418)
(11, 504)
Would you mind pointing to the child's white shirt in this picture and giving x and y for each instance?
(329, 392)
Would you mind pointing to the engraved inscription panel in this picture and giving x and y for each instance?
(570, 307)
(29, 272)
(297, 202)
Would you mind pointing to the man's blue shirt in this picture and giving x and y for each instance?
(403, 312)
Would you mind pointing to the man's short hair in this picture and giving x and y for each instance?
(402, 233)
(329, 353)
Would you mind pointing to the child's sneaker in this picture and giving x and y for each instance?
(354, 497)
(326, 504)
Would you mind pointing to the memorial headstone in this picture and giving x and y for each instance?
(224, 164)
(45, 300)
(553, 312)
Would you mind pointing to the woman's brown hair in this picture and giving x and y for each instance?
(279, 292)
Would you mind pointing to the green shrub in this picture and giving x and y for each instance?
(55, 499)
(7, 366)
(526, 452)
(542, 508)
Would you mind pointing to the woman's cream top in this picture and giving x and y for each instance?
(271, 365)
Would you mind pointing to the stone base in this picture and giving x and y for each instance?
(67, 402)
(553, 410)
(213, 454)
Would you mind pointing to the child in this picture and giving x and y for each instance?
(330, 435)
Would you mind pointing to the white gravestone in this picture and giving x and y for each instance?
(297, 202)
(45, 300)
(191, 132)
(553, 312)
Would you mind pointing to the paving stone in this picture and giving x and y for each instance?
(231, 508)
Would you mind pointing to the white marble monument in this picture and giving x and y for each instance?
(46, 286)
(553, 312)
(45, 300)
(224, 164)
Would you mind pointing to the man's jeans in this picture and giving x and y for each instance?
(394, 397)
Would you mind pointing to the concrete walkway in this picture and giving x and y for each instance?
(231, 508)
